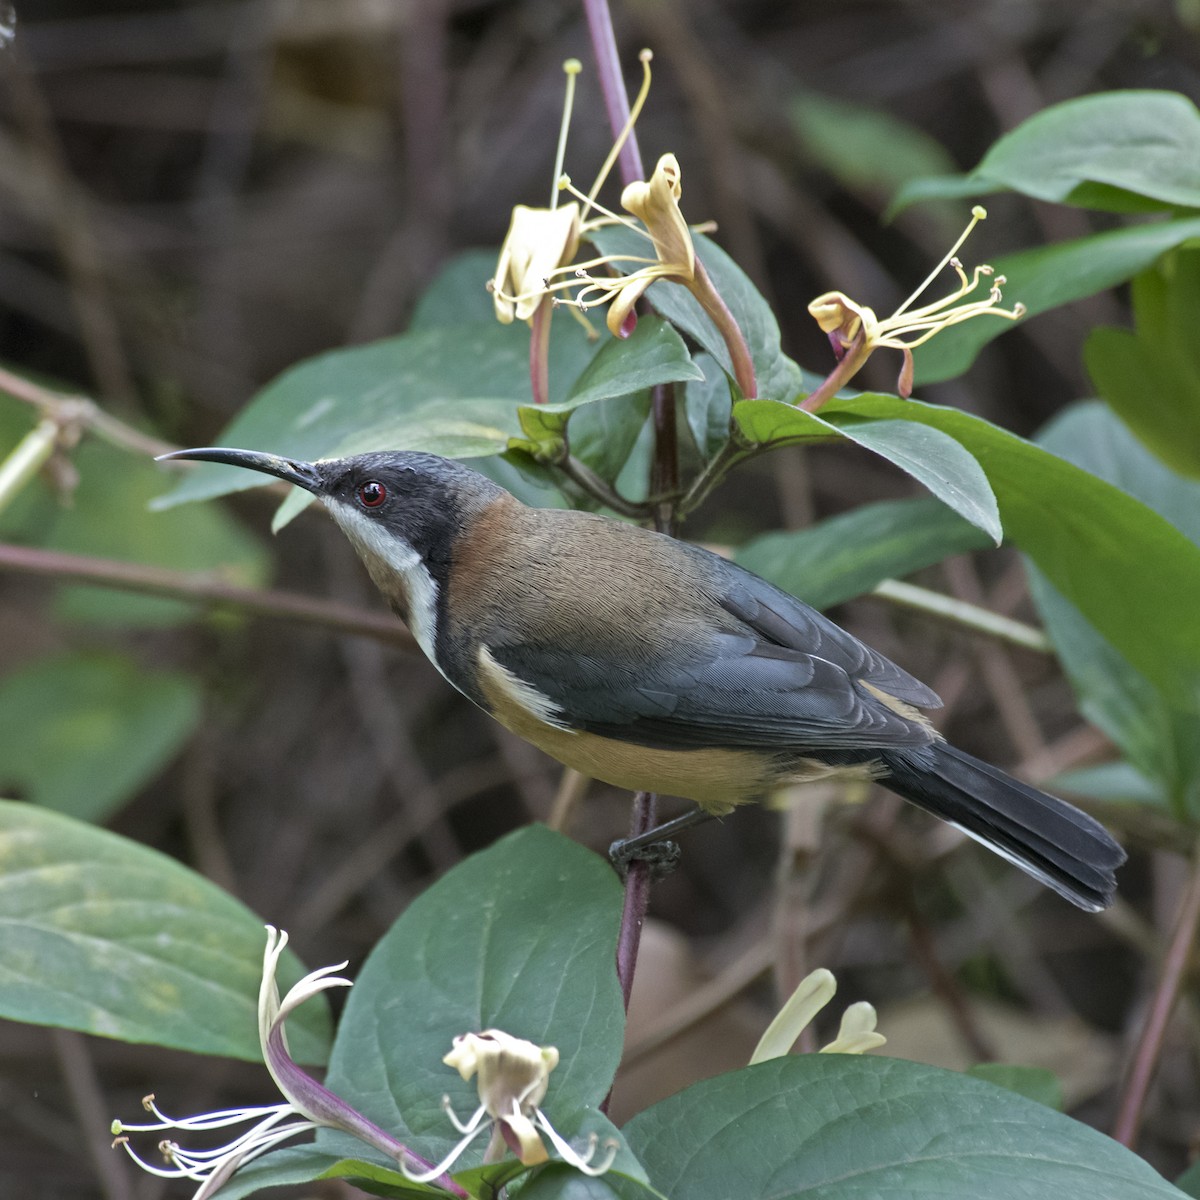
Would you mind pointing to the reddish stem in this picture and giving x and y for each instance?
(637, 895)
(1166, 992)
(539, 351)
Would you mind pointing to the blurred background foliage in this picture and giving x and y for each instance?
(196, 196)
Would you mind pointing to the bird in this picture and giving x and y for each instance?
(653, 664)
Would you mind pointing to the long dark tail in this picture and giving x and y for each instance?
(1055, 842)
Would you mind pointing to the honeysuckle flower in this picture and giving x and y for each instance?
(307, 1105)
(855, 1035)
(855, 331)
(656, 204)
(542, 242)
(537, 268)
(513, 1075)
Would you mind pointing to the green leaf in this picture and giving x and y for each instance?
(869, 151)
(1189, 1181)
(933, 458)
(1154, 730)
(458, 294)
(1151, 376)
(844, 556)
(604, 435)
(777, 375)
(654, 353)
(939, 187)
(1137, 145)
(83, 733)
(708, 405)
(1034, 1083)
(1115, 783)
(520, 937)
(1049, 276)
(308, 1163)
(450, 390)
(845, 1127)
(107, 518)
(620, 375)
(1109, 554)
(110, 938)
(1121, 151)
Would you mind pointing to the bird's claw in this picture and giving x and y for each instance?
(661, 857)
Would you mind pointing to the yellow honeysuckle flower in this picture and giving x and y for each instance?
(656, 204)
(855, 330)
(541, 242)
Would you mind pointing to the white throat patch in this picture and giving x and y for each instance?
(383, 552)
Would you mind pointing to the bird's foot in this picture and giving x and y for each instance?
(661, 857)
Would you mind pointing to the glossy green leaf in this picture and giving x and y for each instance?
(620, 375)
(844, 556)
(107, 518)
(778, 376)
(451, 390)
(654, 353)
(1049, 276)
(1132, 144)
(1034, 1083)
(935, 188)
(520, 937)
(1151, 376)
(1155, 731)
(1107, 552)
(308, 1163)
(708, 405)
(111, 938)
(930, 456)
(604, 435)
(847, 1127)
(1121, 151)
(83, 733)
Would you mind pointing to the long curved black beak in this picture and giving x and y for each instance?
(302, 474)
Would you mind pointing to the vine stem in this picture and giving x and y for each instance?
(612, 86)
(645, 804)
(1166, 993)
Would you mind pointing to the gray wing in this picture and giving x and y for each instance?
(767, 671)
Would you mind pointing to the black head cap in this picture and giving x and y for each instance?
(420, 497)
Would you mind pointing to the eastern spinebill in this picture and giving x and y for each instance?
(658, 666)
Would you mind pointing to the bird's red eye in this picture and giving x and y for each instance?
(371, 494)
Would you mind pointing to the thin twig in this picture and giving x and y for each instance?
(1162, 1004)
(203, 589)
(960, 612)
(79, 410)
(79, 1075)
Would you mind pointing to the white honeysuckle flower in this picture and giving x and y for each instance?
(307, 1105)
(513, 1076)
(856, 1035)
